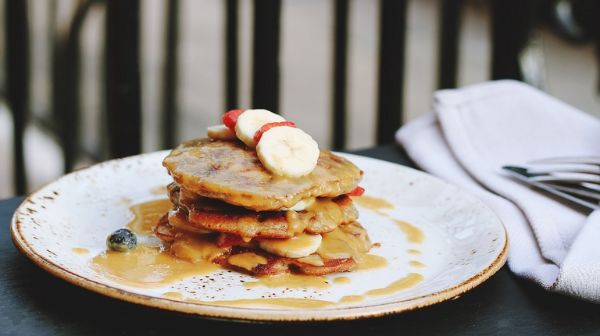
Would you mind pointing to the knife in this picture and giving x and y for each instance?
(523, 175)
(593, 160)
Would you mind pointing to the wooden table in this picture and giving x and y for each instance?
(32, 302)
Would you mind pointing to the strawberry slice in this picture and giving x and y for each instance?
(268, 126)
(228, 240)
(230, 118)
(358, 191)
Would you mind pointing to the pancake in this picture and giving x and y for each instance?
(323, 215)
(338, 253)
(230, 210)
(231, 172)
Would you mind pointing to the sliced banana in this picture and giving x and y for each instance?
(301, 205)
(251, 121)
(288, 151)
(220, 132)
(298, 246)
(313, 259)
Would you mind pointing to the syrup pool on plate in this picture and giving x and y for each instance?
(149, 265)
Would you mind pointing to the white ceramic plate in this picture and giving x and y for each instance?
(462, 243)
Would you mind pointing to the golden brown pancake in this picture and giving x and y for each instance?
(231, 172)
(226, 205)
(237, 256)
(324, 215)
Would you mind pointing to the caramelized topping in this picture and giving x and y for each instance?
(229, 171)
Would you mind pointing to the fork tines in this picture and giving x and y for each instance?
(576, 179)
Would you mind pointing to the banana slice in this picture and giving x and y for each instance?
(251, 121)
(301, 205)
(220, 132)
(298, 246)
(288, 151)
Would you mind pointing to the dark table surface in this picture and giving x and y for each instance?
(33, 302)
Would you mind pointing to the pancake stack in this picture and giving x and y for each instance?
(230, 210)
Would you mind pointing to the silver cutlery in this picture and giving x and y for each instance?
(576, 179)
(592, 160)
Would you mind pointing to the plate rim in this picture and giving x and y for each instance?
(231, 313)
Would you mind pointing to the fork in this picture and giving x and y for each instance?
(576, 179)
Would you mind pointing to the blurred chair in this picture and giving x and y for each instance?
(121, 122)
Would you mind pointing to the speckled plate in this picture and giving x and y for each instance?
(438, 241)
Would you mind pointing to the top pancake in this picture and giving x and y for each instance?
(231, 172)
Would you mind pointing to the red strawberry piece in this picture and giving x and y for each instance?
(230, 118)
(268, 126)
(358, 191)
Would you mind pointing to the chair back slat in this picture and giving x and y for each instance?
(392, 37)
(65, 88)
(170, 109)
(17, 82)
(340, 73)
(512, 24)
(449, 43)
(122, 84)
(265, 55)
(231, 55)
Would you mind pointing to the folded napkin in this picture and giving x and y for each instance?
(474, 131)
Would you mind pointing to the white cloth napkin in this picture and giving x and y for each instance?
(473, 132)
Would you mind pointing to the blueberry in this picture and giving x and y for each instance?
(122, 240)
